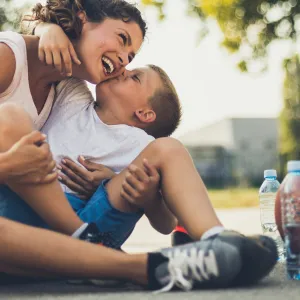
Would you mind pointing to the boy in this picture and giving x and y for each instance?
(113, 131)
(146, 101)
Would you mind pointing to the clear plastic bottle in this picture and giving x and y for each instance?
(267, 197)
(290, 214)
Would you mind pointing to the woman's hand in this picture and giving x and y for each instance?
(84, 181)
(55, 48)
(29, 160)
(141, 187)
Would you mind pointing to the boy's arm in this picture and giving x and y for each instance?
(160, 216)
(146, 195)
(55, 48)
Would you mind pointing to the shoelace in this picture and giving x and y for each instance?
(199, 265)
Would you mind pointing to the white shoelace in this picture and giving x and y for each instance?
(201, 267)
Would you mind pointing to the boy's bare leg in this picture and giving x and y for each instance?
(183, 189)
(33, 252)
(48, 200)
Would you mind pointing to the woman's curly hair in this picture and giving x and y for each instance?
(65, 13)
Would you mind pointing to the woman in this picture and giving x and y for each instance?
(35, 252)
(106, 36)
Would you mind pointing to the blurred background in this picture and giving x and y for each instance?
(236, 68)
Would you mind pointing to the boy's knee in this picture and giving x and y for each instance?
(14, 121)
(167, 147)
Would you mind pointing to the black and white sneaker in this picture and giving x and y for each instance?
(180, 238)
(91, 234)
(220, 261)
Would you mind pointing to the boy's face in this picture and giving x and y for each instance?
(129, 94)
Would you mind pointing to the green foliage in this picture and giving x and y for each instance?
(159, 4)
(290, 115)
(254, 25)
(10, 16)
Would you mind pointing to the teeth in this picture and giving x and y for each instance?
(108, 65)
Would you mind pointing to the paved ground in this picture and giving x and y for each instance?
(276, 286)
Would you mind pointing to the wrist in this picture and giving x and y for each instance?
(42, 28)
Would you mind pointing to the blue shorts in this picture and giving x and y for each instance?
(114, 225)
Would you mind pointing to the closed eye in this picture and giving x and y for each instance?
(124, 38)
(136, 78)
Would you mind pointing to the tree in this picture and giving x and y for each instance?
(253, 25)
(10, 17)
(290, 115)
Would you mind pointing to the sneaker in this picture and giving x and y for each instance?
(91, 234)
(259, 255)
(180, 238)
(217, 262)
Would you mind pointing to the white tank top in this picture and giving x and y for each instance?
(19, 92)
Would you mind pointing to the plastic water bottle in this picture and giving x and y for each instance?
(267, 196)
(290, 212)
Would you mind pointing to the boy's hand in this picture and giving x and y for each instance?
(84, 181)
(55, 48)
(141, 187)
(30, 160)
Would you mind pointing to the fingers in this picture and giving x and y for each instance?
(90, 165)
(150, 169)
(72, 185)
(57, 60)
(51, 166)
(129, 191)
(67, 61)
(49, 58)
(74, 55)
(74, 177)
(42, 55)
(49, 178)
(45, 153)
(127, 197)
(78, 170)
(138, 173)
(34, 137)
(134, 182)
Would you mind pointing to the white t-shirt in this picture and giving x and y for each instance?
(74, 129)
(19, 92)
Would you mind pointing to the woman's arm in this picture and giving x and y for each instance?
(28, 161)
(8, 67)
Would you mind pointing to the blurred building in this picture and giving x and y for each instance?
(234, 151)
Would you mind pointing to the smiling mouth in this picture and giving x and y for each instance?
(108, 65)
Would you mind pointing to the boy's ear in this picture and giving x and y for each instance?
(145, 115)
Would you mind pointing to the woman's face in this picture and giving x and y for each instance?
(106, 48)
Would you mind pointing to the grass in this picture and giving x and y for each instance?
(234, 198)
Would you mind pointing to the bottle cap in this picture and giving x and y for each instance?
(293, 165)
(270, 173)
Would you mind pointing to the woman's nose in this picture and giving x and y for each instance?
(123, 58)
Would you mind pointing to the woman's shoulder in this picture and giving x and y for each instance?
(12, 39)
(12, 57)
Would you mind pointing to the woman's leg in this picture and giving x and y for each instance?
(48, 200)
(33, 252)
